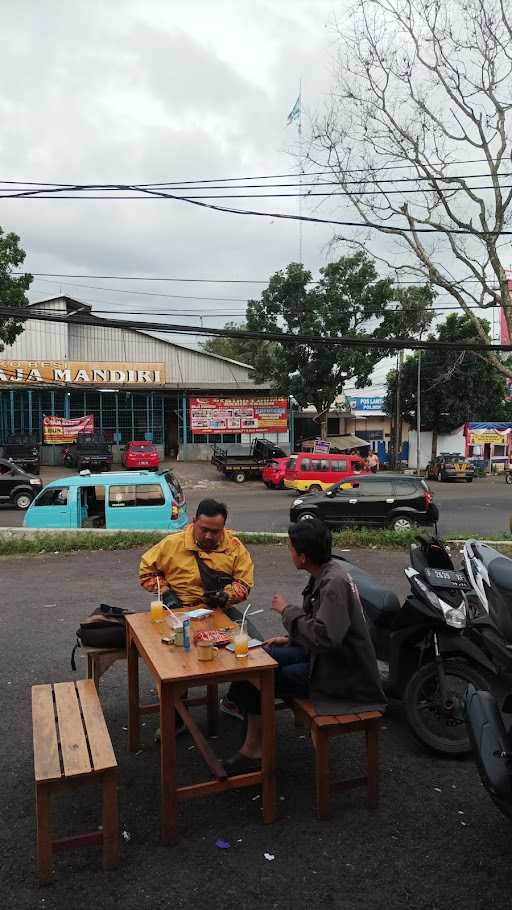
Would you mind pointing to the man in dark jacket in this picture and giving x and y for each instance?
(327, 655)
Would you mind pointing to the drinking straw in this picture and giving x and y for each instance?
(158, 586)
(248, 607)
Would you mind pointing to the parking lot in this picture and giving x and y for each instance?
(436, 841)
(482, 508)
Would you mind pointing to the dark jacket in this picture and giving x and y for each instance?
(331, 627)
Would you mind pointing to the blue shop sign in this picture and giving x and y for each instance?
(367, 403)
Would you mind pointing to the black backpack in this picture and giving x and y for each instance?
(104, 628)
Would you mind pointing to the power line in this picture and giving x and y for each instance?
(309, 194)
(359, 341)
(367, 169)
(398, 281)
(92, 287)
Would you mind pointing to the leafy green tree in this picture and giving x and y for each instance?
(240, 349)
(13, 288)
(456, 386)
(348, 299)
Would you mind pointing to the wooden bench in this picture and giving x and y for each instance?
(322, 728)
(72, 744)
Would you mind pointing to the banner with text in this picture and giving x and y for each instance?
(238, 415)
(58, 430)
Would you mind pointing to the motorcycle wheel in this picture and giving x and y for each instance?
(441, 727)
(508, 477)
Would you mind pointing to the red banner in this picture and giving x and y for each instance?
(237, 415)
(58, 430)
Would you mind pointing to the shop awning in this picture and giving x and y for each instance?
(342, 442)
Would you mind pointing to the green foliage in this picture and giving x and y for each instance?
(456, 386)
(12, 288)
(351, 538)
(348, 299)
(240, 349)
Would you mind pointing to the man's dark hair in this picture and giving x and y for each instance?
(311, 538)
(211, 508)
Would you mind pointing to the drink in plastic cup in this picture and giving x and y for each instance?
(241, 643)
(157, 610)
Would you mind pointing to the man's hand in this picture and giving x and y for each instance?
(217, 600)
(151, 584)
(279, 641)
(279, 603)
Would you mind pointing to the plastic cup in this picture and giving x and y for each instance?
(156, 608)
(241, 643)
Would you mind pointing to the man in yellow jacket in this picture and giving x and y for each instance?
(175, 561)
(205, 564)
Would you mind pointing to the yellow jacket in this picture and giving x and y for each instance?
(174, 562)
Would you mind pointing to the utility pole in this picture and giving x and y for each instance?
(398, 420)
(418, 416)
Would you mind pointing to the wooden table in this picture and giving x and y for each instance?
(174, 670)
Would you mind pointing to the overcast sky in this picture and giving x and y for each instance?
(157, 91)
(160, 90)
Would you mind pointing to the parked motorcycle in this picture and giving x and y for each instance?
(425, 657)
(66, 457)
(491, 740)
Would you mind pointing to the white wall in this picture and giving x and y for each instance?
(449, 442)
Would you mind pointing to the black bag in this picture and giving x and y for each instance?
(213, 583)
(104, 628)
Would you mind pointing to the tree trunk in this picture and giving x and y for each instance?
(323, 426)
(434, 443)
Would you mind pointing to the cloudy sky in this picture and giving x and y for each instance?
(132, 92)
(161, 90)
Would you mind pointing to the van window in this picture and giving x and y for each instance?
(305, 464)
(290, 464)
(147, 494)
(339, 466)
(55, 496)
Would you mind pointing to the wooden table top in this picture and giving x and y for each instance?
(174, 664)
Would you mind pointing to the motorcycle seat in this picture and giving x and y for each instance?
(500, 573)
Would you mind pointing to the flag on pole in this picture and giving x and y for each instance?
(294, 115)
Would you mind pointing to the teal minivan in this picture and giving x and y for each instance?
(132, 500)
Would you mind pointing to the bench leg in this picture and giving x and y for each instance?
(44, 839)
(372, 753)
(321, 744)
(110, 821)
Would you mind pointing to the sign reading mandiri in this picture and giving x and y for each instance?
(73, 371)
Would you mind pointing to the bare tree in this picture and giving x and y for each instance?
(418, 136)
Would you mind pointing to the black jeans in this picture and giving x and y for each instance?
(291, 678)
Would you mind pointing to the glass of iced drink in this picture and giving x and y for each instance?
(241, 642)
(157, 611)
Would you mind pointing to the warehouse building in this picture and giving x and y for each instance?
(132, 384)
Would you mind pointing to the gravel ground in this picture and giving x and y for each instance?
(436, 841)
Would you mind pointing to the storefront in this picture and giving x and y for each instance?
(130, 385)
(489, 442)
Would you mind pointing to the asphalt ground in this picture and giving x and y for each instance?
(436, 842)
(481, 508)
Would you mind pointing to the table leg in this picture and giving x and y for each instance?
(213, 709)
(133, 695)
(268, 754)
(168, 764)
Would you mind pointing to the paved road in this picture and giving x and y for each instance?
(436, 842)
(483, 507)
